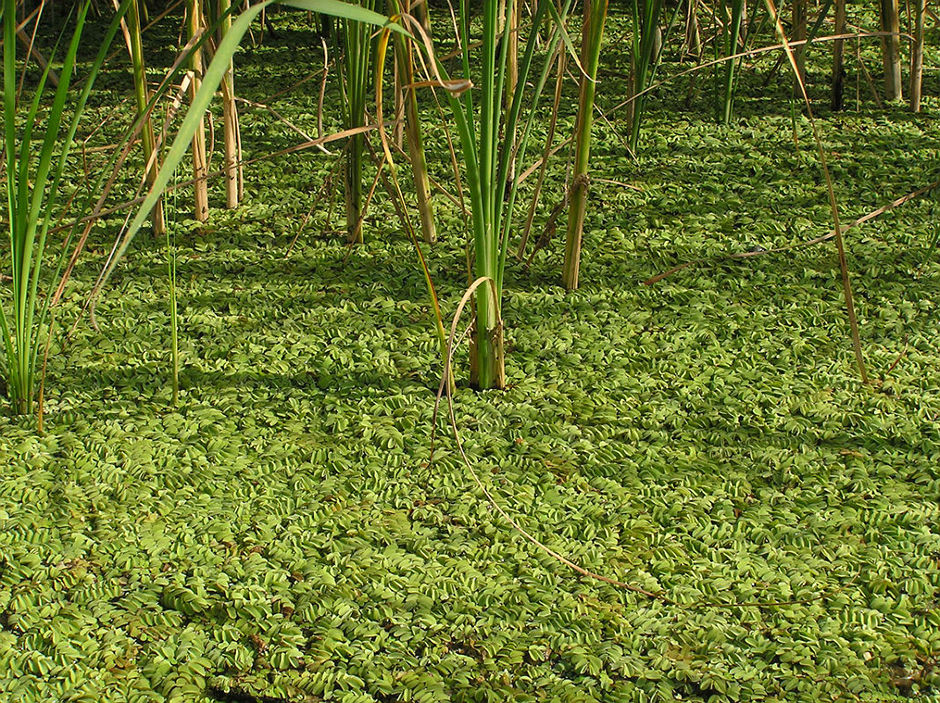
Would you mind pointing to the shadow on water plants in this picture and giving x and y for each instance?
(213, 77)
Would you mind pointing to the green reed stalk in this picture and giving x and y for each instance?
(487, 134)
(33, 182)
(592, 34)
(356, 71)
(645, 16)
(487, 354)
(174, 315)
(732, 34)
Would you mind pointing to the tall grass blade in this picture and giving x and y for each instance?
(32, 184)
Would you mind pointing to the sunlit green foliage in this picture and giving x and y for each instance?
(279, 534)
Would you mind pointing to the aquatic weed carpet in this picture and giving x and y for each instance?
(282, 536)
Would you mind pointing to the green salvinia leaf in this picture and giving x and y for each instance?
(932, 244)
(210, 83)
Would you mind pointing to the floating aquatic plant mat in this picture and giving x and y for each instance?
(280, 535)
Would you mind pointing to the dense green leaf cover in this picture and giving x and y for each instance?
(281, 535)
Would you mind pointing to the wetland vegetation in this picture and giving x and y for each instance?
(228, 477)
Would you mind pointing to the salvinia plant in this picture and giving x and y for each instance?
(33, 178)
